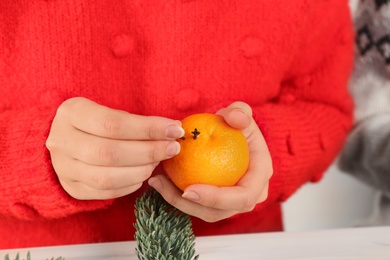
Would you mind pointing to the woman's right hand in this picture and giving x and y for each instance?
(102, 153)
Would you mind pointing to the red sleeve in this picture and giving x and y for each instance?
(305, 127)
(29, 187)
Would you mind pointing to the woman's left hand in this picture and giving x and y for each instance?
(212, 203)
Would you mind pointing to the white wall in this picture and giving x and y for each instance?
(337, 201)
(353, 4)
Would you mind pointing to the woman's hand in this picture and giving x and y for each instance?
(102, 153)
(212, 203)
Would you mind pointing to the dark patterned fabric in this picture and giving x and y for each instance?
(380, 3)
(366, 155)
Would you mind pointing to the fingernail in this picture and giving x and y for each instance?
(155, 183)
(173, 149)
(174, 131)
(190, 195)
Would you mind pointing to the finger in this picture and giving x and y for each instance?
(236, 198)
(82, 191)
(173, 196)
(237, 115)
(251, 189)
(264, 195)
(100, 151)
(99, 120)
(103, 178)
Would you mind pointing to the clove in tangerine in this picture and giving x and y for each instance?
(212, 152)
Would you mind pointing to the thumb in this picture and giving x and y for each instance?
(237, 114)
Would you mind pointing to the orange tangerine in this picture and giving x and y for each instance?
(212, 152)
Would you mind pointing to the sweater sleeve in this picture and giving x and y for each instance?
(367, 152)
(306, 125)
(29, 187)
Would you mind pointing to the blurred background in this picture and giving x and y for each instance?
(335, 202)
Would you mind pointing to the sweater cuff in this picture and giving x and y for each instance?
(29, 185)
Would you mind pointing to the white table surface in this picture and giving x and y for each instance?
(358, 243)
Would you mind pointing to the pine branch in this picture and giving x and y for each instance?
(163, 232)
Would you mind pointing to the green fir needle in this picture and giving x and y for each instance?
(162, 231)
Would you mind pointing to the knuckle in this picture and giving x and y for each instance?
(263, 197)
(134, 188)
(174, 201)
(215, 201)
(152, 131)
(249, 205)
(270, 174)
(68, 107)
(108, 154)
(50, 144)
(54, 141)
(141, 175)
(154, 154)
(270, 171)
(64, 107)
(147, 172)
(70, 190)
(112, 125)
(69, 103)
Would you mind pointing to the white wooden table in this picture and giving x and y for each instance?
(344, 244)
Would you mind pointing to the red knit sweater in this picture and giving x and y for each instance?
(289, 60)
